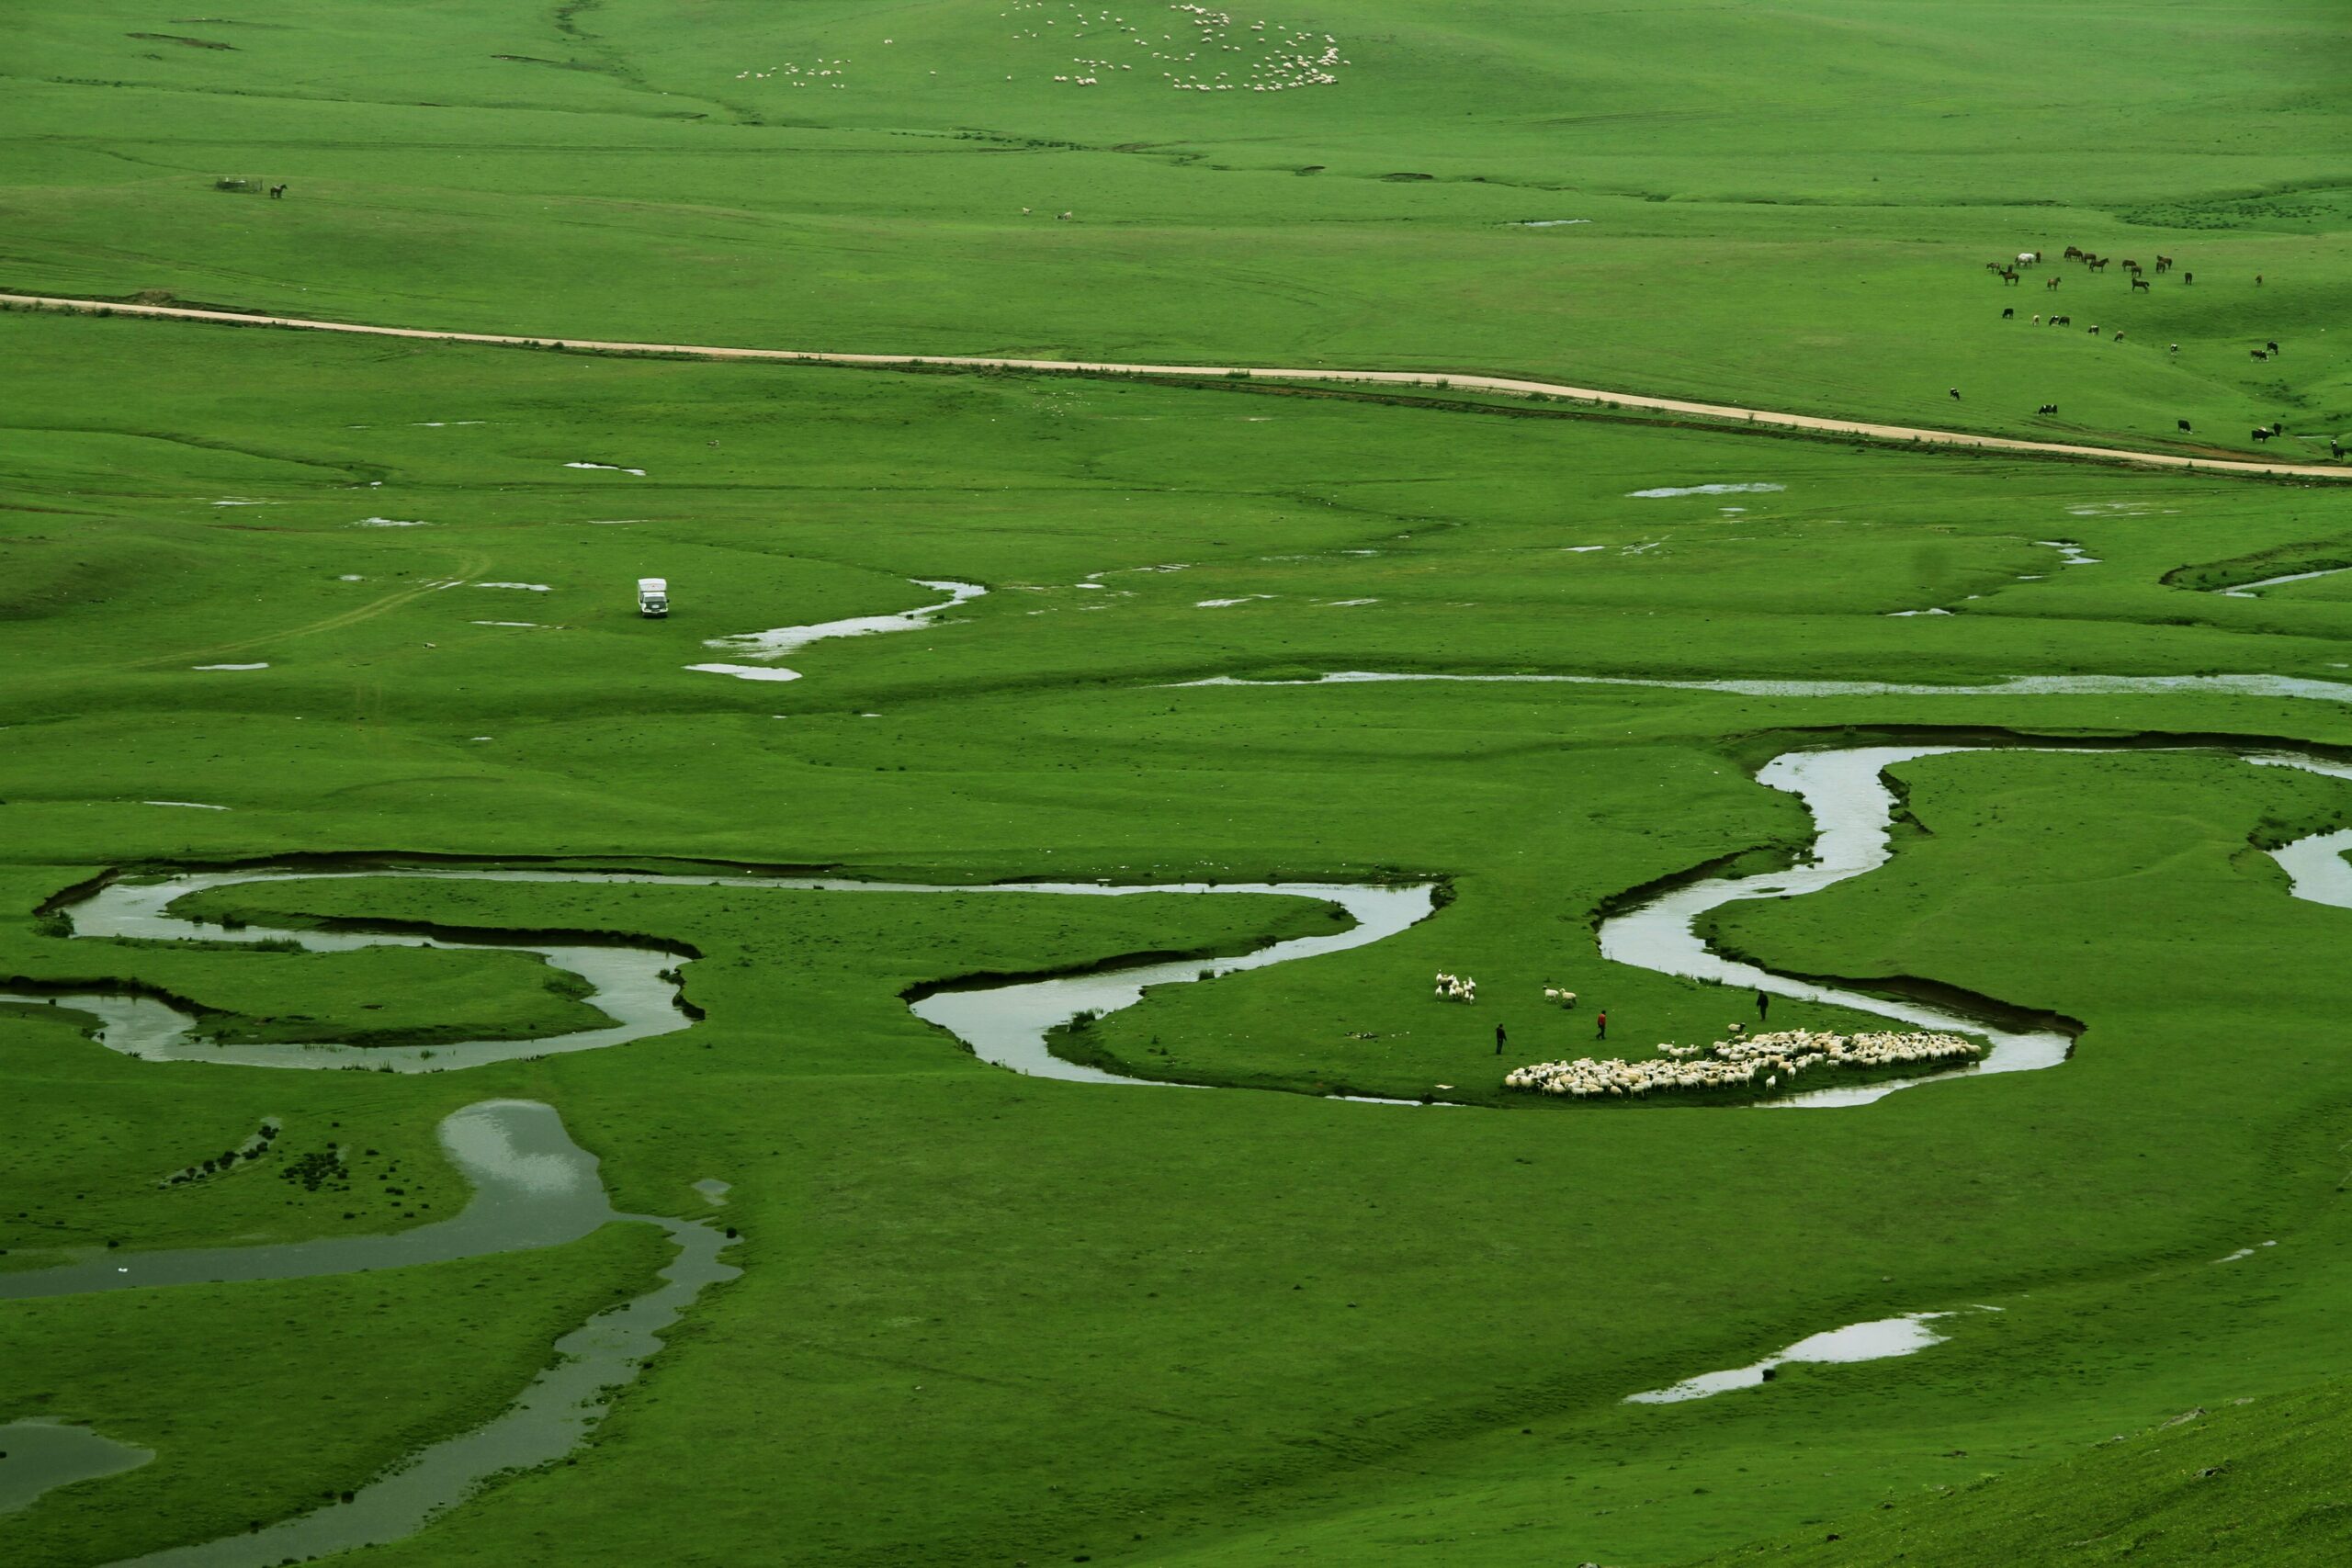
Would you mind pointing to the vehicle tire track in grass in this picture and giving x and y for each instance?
(468, 565)
(1737, 418)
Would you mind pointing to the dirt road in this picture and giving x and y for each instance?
(1422, 380)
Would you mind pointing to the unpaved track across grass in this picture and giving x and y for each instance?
(1505, 386)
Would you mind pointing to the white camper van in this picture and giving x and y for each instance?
(652, 597)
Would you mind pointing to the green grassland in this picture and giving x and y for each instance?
(1093, 1288)
(985, 1318)
(1786, 207)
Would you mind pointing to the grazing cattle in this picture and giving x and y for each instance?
(2093, 329)
(2036, 321)
(2257, 354)
(2047, 407)
(2261, 434)
(2119, 334)
(2335, 448)
(1955, 392)
(2061, 320)
(2188, 277)
(2277, 428)
(2007, 311)
(2273, 347)
(2182, 423)
(2140, 285)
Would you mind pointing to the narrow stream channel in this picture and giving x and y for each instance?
(533, 1187)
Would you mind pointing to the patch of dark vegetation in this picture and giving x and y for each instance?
(181, 40)
(263, 1138)
(2279, 560)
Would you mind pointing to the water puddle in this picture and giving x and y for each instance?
(1667, 491)
(185, 804)
(523, 587)
(610, 468)
(714, 1191)
(1899, 614)
(391, 522)
(783, 640)
(41, 1456)
(229, 666)
(1548, 222)
(533, 1188)
(2243, 1252)
(1229, 603)
(533, 625)
(2069, 553)
(2252, 589)
(1874, 1341)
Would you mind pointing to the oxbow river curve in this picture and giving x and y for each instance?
(1009, 1023)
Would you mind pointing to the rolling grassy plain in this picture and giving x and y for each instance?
(991, 1319)
(1787, 206)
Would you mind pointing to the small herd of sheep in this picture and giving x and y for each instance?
(1747, 1061)
(1455, 988)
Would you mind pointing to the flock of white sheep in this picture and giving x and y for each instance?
(1274, 59)
(1455, 988)
(1746, 1061)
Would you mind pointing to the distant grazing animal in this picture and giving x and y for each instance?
(2047, 407)
(2119, 334)
(2257, 354)
(2182, 423)
(2131, 265)
(2036, 321)
(2027, 258)
(2093, 329)
(2052, 282)
(2163, 264)
(2008, 274)
(2098, 264)
(2335, 448)
(2188, 277)
(2277, 428)
(2061, 320)
(2258, 280)
(1955, 393)
(2072, 253)
(2175, 349)
(2261, 434)
(2271, 346)
(2140, 285)
(1064, 215)
(2007, 311)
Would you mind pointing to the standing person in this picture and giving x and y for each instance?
(1601, 1024)
(1763, 1003)
(1499, 1038)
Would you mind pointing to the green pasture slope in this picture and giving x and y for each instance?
(1779, 206)
(990, 1319)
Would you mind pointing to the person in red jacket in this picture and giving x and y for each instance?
(1601, 1024)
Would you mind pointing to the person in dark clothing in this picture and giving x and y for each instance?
(1763, 1004)
(1499, 1038)
(1601, 1024)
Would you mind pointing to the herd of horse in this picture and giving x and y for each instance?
(2007, 270)
(2008, 273)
